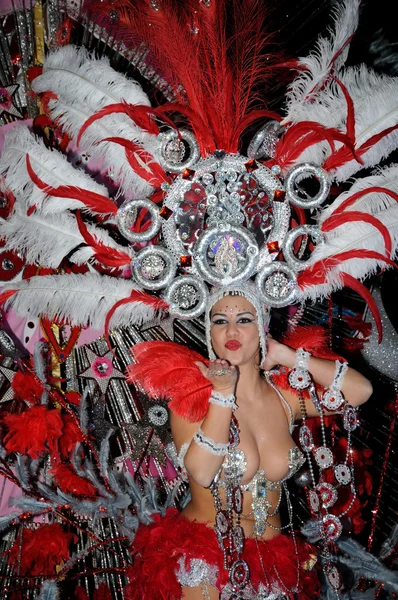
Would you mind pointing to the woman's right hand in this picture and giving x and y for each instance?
(221, 375)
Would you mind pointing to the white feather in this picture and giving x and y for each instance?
(46, 239)
(372, 202)
(352, 236)
(83, 86)
(81, 299)
(50, 166)
(375, 100)
(318, 64)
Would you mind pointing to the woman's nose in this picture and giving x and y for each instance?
(232, 329)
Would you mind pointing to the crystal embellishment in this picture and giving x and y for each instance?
(323, 457)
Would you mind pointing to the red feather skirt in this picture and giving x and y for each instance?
(162, 547)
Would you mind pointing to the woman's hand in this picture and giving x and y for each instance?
(277, 354)
(221, 375)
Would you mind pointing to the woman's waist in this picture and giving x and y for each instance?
(207, 515)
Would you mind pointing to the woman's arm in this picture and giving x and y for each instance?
(202, 465)
(356, 388)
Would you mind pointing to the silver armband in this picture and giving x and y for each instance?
(221, 400)
(209, 444)
(299, 377)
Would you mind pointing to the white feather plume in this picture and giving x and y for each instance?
(81, 299)
(352, 236)
(375, 100)
(50, 166)
(316, 67)
(46, 239)
(372, 202)
(83, 86)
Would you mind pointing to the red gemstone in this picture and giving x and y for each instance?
(273, 246)
(188, 174)
(251, 165)
(165, 213)
(279, 195)
(185, 261)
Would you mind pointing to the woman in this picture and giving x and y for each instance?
(266, 454)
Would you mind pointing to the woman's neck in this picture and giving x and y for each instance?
(250, 382)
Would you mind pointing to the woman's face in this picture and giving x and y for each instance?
(234, 330)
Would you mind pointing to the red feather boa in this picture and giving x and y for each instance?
(42, 550)
(158, 548)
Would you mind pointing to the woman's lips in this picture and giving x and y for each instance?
(233, 345)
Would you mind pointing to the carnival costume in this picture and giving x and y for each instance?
(177, 214)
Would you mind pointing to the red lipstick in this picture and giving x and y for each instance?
(233, 345)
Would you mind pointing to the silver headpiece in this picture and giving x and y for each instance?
(249, 292)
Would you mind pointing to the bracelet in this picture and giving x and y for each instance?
(299, 377)
(221, 400)
(209, 444)
(333, 398)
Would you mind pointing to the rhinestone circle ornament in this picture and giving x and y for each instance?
(264, 142)
(299, 379)
(332, 399)
(238, 538)
(158, 415)
(154, 267)
(173, 150)
(342, 473)
(288, 245)
(226, 254)
(276, 285)
(222, 190)
(327, 494)
(222, 522)
(239, 574)
(350, 419)
(127, 214)
(314, 500)
(323, 457)
(332, 527)
(306, 439)
(187, 296)
(297, 174)
(333, 575)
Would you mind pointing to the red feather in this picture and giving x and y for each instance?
(168, 370)
(70, 483)
(33, 432)
(313, 339)
(39, 551)
(27, 387)
(108, 256)
(93, 201)
(363, 291)
(141, 161)
(370, 190)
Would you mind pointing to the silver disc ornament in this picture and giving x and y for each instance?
(298, 174)
(332, 399)
(264, 142)
(187, 296)
(127, 215)
(173, 150)
(154, 267)
(276, 285)
(289, 255)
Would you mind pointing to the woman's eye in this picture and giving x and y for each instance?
(245, 320)
(219, 322)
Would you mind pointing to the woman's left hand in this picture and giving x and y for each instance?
(277, 354)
